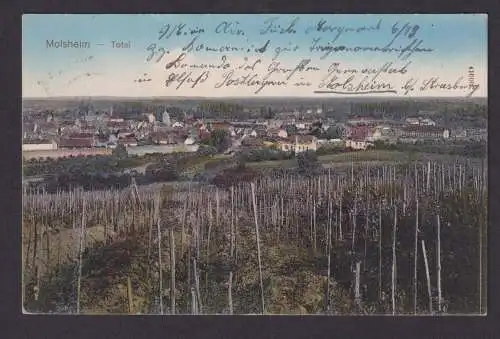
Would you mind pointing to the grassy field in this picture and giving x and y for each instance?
(331, 159)
(198, 165)
(361, 158)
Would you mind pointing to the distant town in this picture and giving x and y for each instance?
(164, 129)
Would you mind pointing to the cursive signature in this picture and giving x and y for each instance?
(251, 79)
(186, 78)
(459, 84)
(354, 85)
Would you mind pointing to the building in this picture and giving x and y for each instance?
(420, 121)
(427, 122)
(129, 141)
(360, 132)
(223, 125)
(125, 134)
(118, 125)
(419, 132)
(458, 133)
(357, 144)
(116, 119)
(477, 134)
(251, 143)
(101, 141)
(381, 133)
(166, 119)
(77, 142)
(277, 133)
(189, 141)
(161, 138)
(39, 145)
(303, 125)
(412, 121)
(66, 153)
(274, 123)
(355, 121)
(151, 117)
(299, 143)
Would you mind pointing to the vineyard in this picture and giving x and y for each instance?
(400, 239)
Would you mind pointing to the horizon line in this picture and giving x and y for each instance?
(248, 97)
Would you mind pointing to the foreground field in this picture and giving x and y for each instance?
(401, 239)
(374, 157)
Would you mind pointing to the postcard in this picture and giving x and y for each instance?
(305, 164)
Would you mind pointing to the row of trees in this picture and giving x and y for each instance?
(218, 139)
(110, 171)
(444, 112)
(264, 154)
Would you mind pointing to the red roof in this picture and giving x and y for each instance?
(128, 141)
(220, 125)
(37, 141)
(252, 142)
(301, 139)
(423, 129)
(204, 135)
(76, 142)
(305, 139)
(113, 124)
(81, 135)
(170, 138)
(360, 132)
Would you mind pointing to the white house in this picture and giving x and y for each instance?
(129, 142)
(115, 119)
(380, 133)
(151, 117)
(178, 124)
(166, 119)
(300, 143)
(357, 144)
(189, 141)
(282, 133)
(274, 123)
(427, 122)
(42, 145)
(412, 121)
(277, 133)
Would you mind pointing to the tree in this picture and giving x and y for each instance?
(332, 132)
(269, 114)
(219, 138)
(205, 150)
(166, 170)
(240, 162)
(120, 151)
(308, 163)
(291, 129)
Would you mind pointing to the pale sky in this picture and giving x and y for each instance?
(449, 44)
